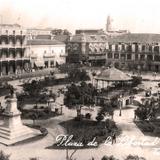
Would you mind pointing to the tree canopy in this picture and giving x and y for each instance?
(80, 94)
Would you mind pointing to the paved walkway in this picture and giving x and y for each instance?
(123, 147)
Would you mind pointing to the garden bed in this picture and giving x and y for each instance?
(151, 128)
(85, 131)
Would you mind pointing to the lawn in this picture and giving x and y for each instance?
(86, 130)
(151, 128)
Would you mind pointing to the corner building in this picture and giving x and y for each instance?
(13, 56)
(135, 51)
(88, 46)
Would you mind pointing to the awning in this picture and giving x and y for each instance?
(39, 63)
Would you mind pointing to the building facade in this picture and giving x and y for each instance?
(32, 33)
(135, 52)
(88, 45)
(46, 52)
(13, 55)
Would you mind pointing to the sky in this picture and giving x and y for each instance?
(140, 16)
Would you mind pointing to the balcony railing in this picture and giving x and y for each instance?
(14, 59)
(63, 55)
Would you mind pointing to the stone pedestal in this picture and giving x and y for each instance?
(12, 130)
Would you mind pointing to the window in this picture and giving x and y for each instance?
(45, 51)
(93, 37)
(123, 56)
(21, 32)
(136, 47)
(103, 38)
(157, 58)
(129, 56)
(123, 47)
(142, 57)
(6, 31)
(143, 48)
(156, 49)
(52, 51)
(129, 48)
(95, 50)
(110, 47)
(150, 57)
(136, 56)
(13, 31)
(116, 47)
(61, 50)
(109, 55)
(150, 48)
(116, 56)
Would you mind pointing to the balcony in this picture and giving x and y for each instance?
(14, 59)
(96, 57)
(63, 55)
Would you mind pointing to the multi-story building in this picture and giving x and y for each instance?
(135, 51)
(88, 45)
(32, 33)
(46, 52)
(13, 56)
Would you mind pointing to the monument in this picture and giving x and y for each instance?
(12, 129)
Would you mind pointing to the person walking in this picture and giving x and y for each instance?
(113, 137)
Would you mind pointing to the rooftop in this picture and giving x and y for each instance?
(136, 38)
(44, 42)
(43, 36)
(113, 74)
(89, 38)
(61, 38)
(89, 31)
(10, 25)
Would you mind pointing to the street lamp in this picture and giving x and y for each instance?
(120, 105)
(159, 98)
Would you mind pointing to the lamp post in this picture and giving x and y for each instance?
(159, 98)
(120, 105)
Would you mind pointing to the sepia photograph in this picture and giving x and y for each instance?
(79, 80)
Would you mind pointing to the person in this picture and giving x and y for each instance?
(113, 137)
(154, 75)
(135, 114)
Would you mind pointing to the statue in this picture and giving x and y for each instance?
(11, 89)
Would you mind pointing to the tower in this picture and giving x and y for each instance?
(108, 25)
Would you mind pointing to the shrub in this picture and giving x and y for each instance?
(134, 157)
(88, 116)
(110, 124)
(44, 131)
(136, 80)
(34, 158)
(108, 158)
(79, 117)
(4, 156)
(99, 117)
(35, 107)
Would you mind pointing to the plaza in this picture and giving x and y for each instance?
(125, 122)
(79, 80)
